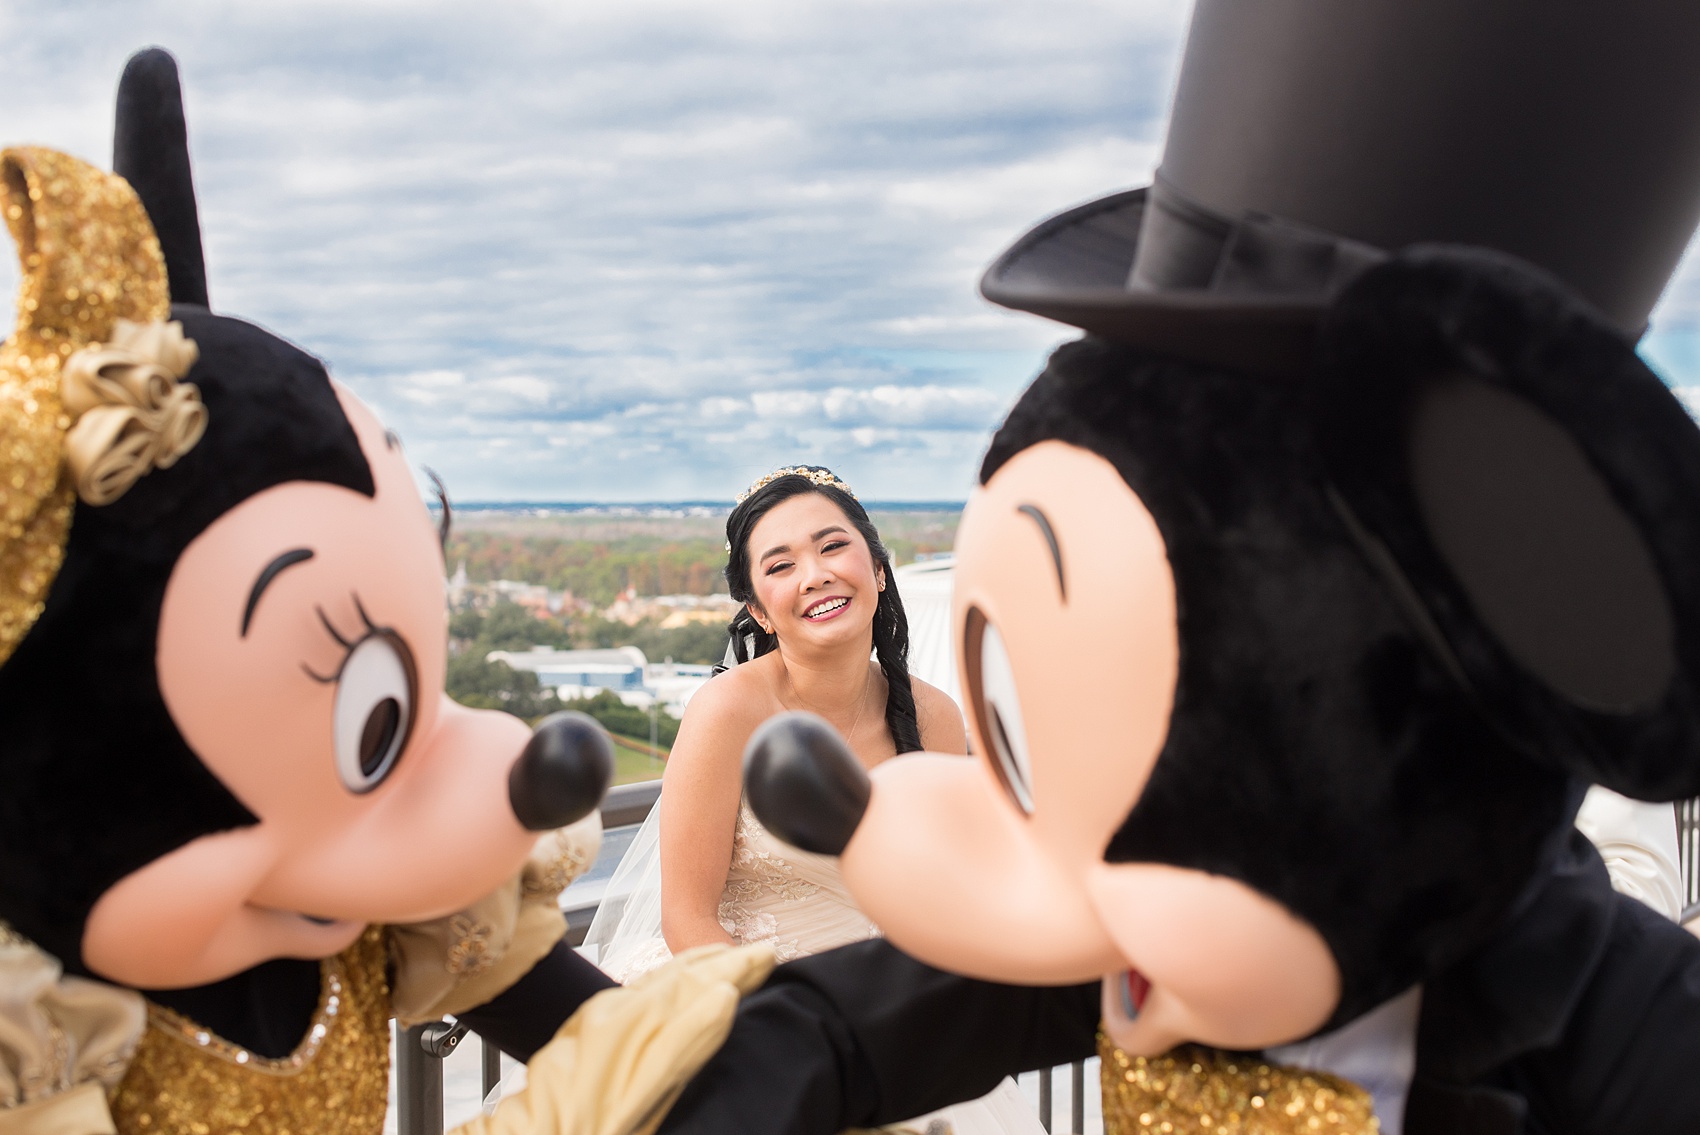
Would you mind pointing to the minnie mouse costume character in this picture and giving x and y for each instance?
(242, 825)
(1298, 607)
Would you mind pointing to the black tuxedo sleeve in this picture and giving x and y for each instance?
(865, 1035)
(524, 1017)
(1629, 1058)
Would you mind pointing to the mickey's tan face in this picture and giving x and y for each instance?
(994, 866)
(301, 654)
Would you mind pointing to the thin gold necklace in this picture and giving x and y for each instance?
(867, 681)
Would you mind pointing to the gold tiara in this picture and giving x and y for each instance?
(811, 473)
(89, 397)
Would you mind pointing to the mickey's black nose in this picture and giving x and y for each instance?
(563, 772)
(804, 784)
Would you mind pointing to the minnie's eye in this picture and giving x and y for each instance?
(374, 710)
(997, 708)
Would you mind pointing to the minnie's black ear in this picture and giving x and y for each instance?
(1531, 493)
(150, 150)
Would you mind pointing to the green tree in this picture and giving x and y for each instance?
(629, 721)
(700, 643)
(480, 684)
(508, 626)
(697, 643)
(465, 626)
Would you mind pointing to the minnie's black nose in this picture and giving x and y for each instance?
(563, 772)
(804, 784)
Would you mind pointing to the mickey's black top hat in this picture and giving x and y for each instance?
(1309, 137)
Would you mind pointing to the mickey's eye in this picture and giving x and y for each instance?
(374, 709)
(997, 708)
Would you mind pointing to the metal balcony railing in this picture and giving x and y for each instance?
(420, 1051)
(1688, 855)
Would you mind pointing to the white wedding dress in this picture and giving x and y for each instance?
(777, 894)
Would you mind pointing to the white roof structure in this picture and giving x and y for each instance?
(926, 589)
(545, 658)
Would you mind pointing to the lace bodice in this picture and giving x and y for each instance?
(793, 899)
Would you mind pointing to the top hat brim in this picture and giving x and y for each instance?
(1074, 268)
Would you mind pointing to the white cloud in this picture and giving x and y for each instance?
(906, 407)
(562, 248)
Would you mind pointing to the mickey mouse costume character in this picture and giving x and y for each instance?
(241, 824)
(1298, 607)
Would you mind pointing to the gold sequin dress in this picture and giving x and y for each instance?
(186, 1080)
(1204, 1091)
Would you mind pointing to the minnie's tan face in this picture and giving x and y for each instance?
(301, 654)
(994, 866)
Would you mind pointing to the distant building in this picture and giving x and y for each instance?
(575, 673)
(457, 587)
(671, 610)
(534, 597)
(624, 671)
(674, 683)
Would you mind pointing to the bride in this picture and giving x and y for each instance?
(819, 600)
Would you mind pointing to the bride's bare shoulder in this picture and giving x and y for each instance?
(939, 717)
(718, 722)
(743, 695)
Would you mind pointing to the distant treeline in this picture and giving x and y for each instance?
(508, 626)
(597, 570)
(592, 569)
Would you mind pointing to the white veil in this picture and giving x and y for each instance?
(624, 938)
(626, 932)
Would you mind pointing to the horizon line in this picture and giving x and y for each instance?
(721, 506)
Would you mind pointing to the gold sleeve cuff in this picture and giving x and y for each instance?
(619, 1063)
(80, 1111)
(449, 965)
(58, 1033)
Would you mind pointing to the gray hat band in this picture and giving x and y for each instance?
(1183, 244)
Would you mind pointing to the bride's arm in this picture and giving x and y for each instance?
(699, 811)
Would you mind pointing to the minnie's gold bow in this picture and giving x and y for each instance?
(132, 414)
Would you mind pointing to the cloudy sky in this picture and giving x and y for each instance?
(640, 250)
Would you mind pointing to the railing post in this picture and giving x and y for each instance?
(1077, 1079)
(492, 1066)
(418, 1084)
(1688, 849)
(1045, 1097)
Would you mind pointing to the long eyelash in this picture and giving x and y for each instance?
(364, 617)
(318, 677)
(347, 647)
(336, 635)
(330, 628)
(446, 524)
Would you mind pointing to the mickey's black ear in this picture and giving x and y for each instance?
(150, 150)
(1531, 493)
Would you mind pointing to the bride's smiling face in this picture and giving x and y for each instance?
(812, 574)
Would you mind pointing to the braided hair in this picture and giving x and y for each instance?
(891, 625)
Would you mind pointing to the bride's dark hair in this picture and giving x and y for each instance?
(891, 625)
